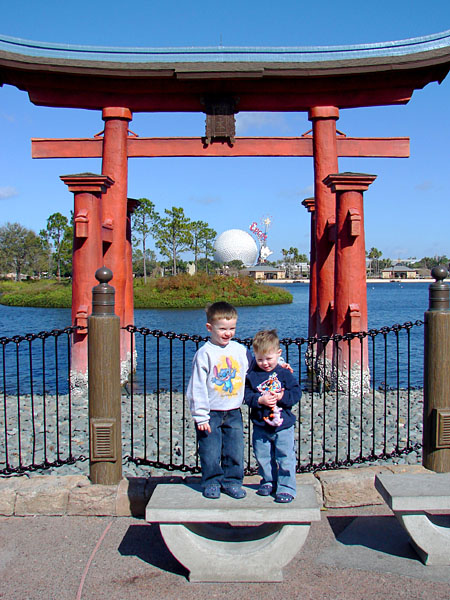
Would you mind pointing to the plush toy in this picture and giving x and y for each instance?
(275, 417)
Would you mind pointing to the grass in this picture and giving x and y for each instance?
(182, 291)
(45, 293)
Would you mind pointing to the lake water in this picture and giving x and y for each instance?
(388, 304)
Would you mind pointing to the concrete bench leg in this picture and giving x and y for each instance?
(215, 552)
(430, 541)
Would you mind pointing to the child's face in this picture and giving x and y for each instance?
(268, 360)
(222, 331)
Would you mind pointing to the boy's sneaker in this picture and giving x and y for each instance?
(283, 498)
(265, 489)
(212, 492)
(235, 491)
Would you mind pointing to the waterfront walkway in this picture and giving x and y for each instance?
(357, 551)
(352, 553)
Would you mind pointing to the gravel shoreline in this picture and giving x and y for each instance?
(147, 421)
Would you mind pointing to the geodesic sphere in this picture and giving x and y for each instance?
(236, 244)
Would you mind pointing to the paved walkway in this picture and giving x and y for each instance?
(353, 553)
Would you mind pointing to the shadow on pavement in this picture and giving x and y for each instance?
(146, 542)
(380, 533)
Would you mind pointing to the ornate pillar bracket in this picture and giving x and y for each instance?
(87, 182)
(323, 112)
(309, 204)
(117, 112)
(349, 182)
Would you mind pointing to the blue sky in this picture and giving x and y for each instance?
(406, 207)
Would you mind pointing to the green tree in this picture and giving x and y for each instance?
(59, 235)
(292, 257)
(202, 236)
(197, 229)
(172, 235)
(18, 248)
(206, 245)
(208, 265)
(374, 254)
(140, 266)
(428, 262)
(143, 222)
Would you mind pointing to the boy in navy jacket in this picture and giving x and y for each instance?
(270, 392)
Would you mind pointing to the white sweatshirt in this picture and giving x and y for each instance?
(218, 379)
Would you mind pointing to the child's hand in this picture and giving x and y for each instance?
(268, 399)
(278, 395)
(287, 366)
(204, 427)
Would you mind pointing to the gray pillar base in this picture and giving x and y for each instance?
(430, 540)
(412, 497)
(219, 553)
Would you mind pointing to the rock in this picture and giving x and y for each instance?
(92, 500)
(350, 487)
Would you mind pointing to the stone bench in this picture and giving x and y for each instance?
(231, 540)
(411, 497)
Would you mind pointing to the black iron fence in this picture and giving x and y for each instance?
(38, 429)
(43, 423)
(333, 428)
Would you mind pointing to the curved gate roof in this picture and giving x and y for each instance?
(179, 79)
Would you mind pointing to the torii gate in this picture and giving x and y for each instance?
(116, 146)
(221, 82)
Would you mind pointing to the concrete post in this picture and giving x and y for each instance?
(105, 431)
(436, 388)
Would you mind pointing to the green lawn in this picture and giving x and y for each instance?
(182, 291)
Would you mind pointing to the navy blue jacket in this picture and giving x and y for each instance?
(257, 380)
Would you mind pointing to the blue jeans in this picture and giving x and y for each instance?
(275, 454)
(222, 451)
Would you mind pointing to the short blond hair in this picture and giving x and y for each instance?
(220, 310)
(266, 340)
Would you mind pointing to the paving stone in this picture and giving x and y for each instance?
(45, 498)
(350, 487)
(7, 501)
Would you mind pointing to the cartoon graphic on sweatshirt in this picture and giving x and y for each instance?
(272, 384)
(224, 376)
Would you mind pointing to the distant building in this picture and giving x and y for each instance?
(399, 272)
(190, 268)
(263, 272)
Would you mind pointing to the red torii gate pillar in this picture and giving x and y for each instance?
(128, 316)
(87, 258)
(310, 205)
(115, 214)
(351, 364)
(325, 157)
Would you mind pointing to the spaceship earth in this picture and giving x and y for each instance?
(236, 244)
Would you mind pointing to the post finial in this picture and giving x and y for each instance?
(439, 298)
(103, 275)
(103, 293)
(439, 273)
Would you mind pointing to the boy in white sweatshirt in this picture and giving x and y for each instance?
(215, 393)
